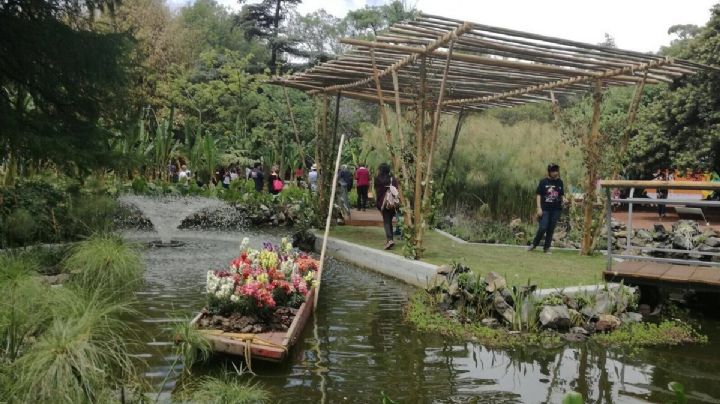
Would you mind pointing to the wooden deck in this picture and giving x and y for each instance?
(369, 217)
(663, 274)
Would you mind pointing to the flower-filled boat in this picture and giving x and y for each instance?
(259, 305)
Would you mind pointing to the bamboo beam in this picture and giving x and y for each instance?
(441, 41)
(559, 83)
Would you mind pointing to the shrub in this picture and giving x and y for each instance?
(92, 213)
(21, 228)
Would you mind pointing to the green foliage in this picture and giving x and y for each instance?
(190, 344)
(665, 333)
(108, 263)
(21, 228)
(225, 390)
(60, 94)
(679, 391)
(573, 397)
(80, 356)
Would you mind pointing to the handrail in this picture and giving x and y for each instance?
(700, 185)
(650, 201)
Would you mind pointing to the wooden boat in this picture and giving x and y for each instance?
(268, 346)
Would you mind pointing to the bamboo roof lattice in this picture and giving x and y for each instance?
(478, 66)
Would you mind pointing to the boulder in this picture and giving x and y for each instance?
(444, 270)
(503, 308)
(454, 289)
(589, 312)
(681, 241)
(688, 228)
(604, 303)
(631, 317)
(574, 337)
(644, 235)
(607, 322)
(579, 330)
(490, 322)
(712, 242)
(555, 317)
(494, 282)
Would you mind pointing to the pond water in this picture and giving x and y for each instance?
(357, 346)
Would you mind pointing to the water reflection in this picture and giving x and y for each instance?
(358, 346)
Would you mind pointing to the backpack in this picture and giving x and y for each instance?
(392, 197)
(277, 185)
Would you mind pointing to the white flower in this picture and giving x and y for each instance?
(244, 244)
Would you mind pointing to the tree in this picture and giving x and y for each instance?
(370, 20)
(263, 21)
(678, 46)
(59, 79)
(681, 127)
(320, 32)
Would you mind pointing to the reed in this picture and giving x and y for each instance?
(227, 389)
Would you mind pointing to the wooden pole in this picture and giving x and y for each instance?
(452, 146)
(337, 118)
(301, 150)
(331, 205)
(407, 211)
(383, 113)
(419, 130)
(591, 161)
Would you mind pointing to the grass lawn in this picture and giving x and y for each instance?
(560, 269)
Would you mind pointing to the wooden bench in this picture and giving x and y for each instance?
(690, 211)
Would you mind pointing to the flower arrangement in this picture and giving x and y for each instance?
(258, 281)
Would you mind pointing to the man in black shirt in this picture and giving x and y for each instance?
(549, 199)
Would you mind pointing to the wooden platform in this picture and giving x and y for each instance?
(656, 273)
(369, 217)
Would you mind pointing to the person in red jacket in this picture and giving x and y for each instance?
(362, 178)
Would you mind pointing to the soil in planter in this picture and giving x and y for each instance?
(280, 320)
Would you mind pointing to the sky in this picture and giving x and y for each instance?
(639, 25)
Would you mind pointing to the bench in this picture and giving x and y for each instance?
(688, 211)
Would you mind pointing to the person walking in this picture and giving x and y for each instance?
(549, 200)
(386, 204)
(299, 174)
(257, 175)
(275, 182)
(313, 178)
(345, 180)
(362, 176)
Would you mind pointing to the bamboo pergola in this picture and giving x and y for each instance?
(435, 64)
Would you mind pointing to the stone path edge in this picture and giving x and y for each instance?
(417, 273)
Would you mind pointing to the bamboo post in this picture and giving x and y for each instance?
(328, 220)
(419, 130)
(407, 211)
(383, 113)
(452, 146)
(295, 128)
(427, 194)
(591, 160)
(337, 117)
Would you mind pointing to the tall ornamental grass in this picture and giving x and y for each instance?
(107, 263)
(496, 167)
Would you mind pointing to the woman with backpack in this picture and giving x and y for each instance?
(387, 200)
(275, 185)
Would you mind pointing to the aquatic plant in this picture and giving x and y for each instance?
(573, 397)
(679, 390)
(224, 390)
(667, 332)
(81, 356)
(105, 262)
(191, 345)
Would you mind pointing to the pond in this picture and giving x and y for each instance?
(357, 345)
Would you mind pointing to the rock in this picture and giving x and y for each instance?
(502, 308)
(589, 312)
(644, 235)
(631, 317)
(659, 228)
(58, 279)
(454, 289)
(607, 322)
(604, 303)
(682, 242)
(573, 337)
(508, 296)
(555, 317)
(444, 269)
(579, 330)
(494, 282)
(688, 228)
(712, 242)
(490, 322)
